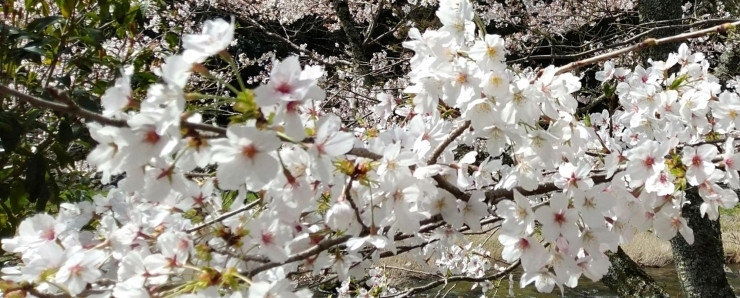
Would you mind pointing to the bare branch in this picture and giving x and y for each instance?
(322, 246)
(225, 216)
(650, 42)
(443, 146)
(442, 281)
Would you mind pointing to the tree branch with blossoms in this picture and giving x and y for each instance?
(650, 42)
(318, 183)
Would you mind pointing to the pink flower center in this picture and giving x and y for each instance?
(183, 244)
(48, 235)
(573, 179)
(268, 238)
(523, 244)
(293, 107)
(284, 88)
(696, 161)
(559, 218)
(320, 149)
(76, 270)
(663, 178)
(249, 151)
(676, 223)
(649, 161)
(198, 200)
(151, 137)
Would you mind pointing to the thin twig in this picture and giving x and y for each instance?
(650, 42)
(322, 246)
(224, 216)
(348, 196)
(410, 292)
(442, 146)
(95, 117)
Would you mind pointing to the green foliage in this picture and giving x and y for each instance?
(58, 43)
(246, 105)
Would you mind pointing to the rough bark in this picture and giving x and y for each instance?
(705, 7)
(353, 35)
(729, 62)
(660, 10)
(700, 266)
(627, 279)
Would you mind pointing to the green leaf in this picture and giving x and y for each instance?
(120, 10)
(53, 190)
(40, 24)
(91, 37)
(45, 9)
(63, 158)
(64, 132)
(64, 80)
(18, 197)
(87, 103)
(32, 116)
(34, 49)
(104, 10)
(145, 78)
(35, 176)
(67, 7)
(44, 195)
(31, 4)
(11, 132)
(678, 82)
(609, 90)
(172, 39)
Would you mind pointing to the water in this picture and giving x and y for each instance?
(665, 276)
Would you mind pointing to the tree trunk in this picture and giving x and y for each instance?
(700, 266)
(729, 62)
(660, 10)
(627, 279)
(353, 35)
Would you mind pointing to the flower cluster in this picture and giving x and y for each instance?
(296, 193)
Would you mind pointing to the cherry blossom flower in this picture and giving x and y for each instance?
(118, 97)
(489, 53)
(668, 222)
(79, 270)
(246, 151)
(334, 195)
(698, 162)
(215, 37)
(557, 219)
(517, 214)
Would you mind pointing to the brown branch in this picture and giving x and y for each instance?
(449, 187)
(347, 196)
(616, 44)
(442, 281)
(497, 195)
(373, 23)
(650, 42)
(442, 146)
(224, 216)
(322, 246)
(66, 105)
(61, 107)
(354, 37)
(69, 107)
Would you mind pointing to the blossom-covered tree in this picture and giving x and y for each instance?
(231, 211)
